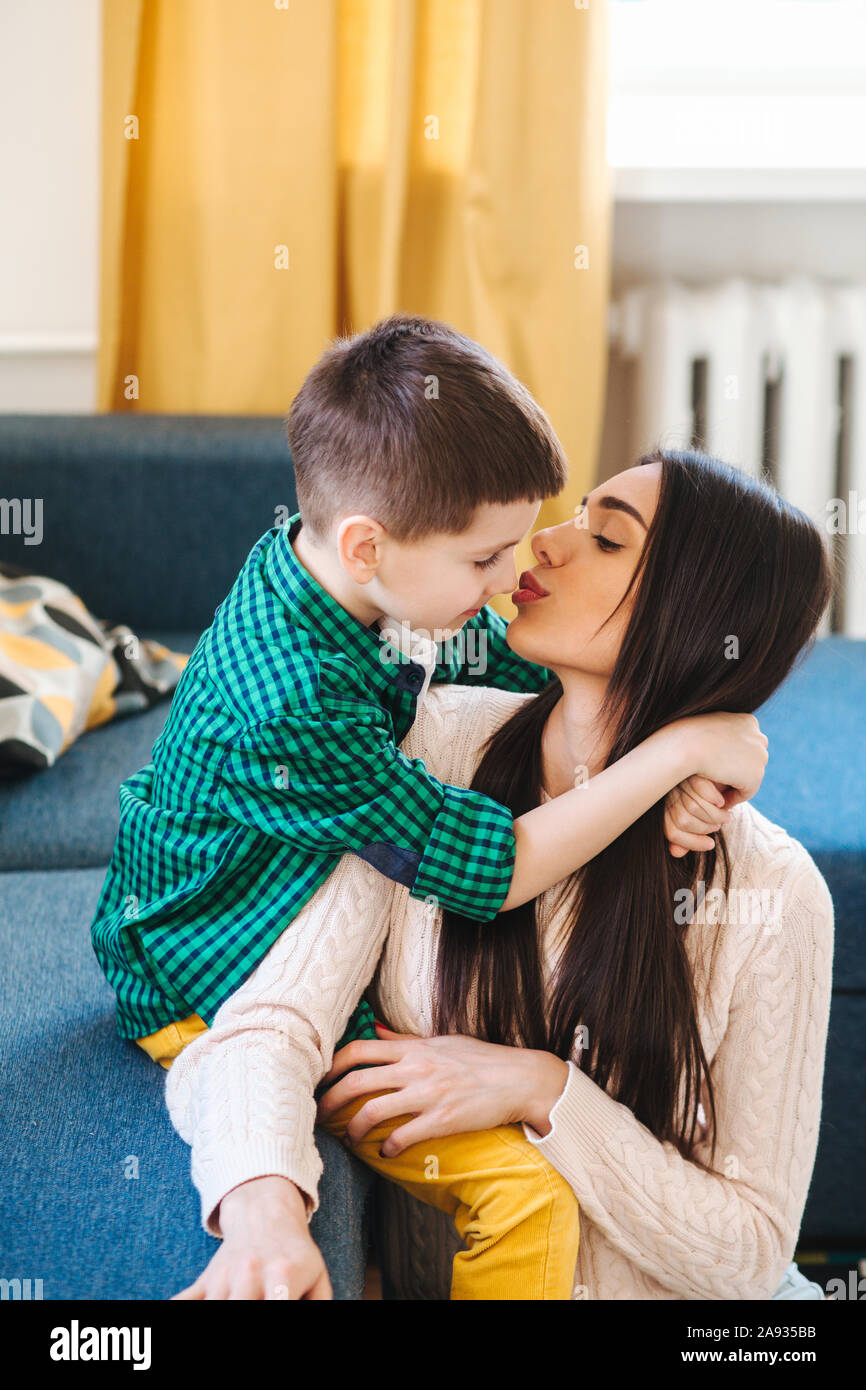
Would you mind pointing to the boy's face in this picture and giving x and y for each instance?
(440, 581)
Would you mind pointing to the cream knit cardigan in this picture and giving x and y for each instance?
(653, 1224)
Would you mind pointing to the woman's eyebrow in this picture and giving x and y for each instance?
(616, 504)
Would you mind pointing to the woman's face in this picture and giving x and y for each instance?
(585, 566)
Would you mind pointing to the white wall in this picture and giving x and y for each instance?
(50, 79)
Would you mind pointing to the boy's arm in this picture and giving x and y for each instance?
(340, 784)
(480, 655)
(584, 821)
(579, 824)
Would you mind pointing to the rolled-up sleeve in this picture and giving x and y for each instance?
(469, 860)
(341, 785)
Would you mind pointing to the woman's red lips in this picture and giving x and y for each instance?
(529, 589)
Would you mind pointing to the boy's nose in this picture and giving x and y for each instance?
(500, 586)
(515, 580)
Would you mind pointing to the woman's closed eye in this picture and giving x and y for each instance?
(605, 544)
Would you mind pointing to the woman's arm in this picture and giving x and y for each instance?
(267, 1250)
(241, 1094)
(728, 1234)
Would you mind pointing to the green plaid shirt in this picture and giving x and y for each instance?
(280, 753)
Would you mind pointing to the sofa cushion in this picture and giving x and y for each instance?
(63, 671)
(97, 1199)
(814, 782)
(66, 816)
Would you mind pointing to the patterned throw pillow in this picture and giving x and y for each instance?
(63, 671)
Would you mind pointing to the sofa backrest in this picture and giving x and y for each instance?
(147, 517)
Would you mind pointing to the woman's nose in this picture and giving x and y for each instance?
(547, 543)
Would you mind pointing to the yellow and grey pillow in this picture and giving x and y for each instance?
(62, 671)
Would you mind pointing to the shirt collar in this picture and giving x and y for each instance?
(378, 648)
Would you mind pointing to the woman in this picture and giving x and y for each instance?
(663, 1052)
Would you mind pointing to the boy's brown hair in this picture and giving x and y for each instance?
(416, 425)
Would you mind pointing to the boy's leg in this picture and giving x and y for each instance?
(517, 1213)
(164, 1045)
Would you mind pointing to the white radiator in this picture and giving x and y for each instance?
(771, 377)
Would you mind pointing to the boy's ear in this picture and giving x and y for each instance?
(360, 544)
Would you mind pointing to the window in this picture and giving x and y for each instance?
(737, 85)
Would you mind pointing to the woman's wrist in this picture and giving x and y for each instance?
(546, 1078)
(263, 1201)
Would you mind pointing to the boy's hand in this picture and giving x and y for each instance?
(694, 809)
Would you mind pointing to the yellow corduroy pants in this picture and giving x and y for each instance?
(516, 1213)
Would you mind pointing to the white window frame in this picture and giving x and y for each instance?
(730, 99)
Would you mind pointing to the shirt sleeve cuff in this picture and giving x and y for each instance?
(468, 863)
(258, 1159)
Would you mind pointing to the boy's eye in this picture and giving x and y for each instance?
(488, 564)
(605, 544)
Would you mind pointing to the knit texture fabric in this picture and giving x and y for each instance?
(653, 1224)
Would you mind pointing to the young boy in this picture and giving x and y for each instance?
(420, 462)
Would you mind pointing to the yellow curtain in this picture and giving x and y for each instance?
(276, 174)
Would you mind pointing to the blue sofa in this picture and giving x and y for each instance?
(149, 519)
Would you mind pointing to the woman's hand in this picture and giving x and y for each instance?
(267, 1251)
(450, 1084)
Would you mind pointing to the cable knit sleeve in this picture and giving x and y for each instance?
(730, 1233)
(241, 1094)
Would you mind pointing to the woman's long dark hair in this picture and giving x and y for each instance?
(725, 559)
